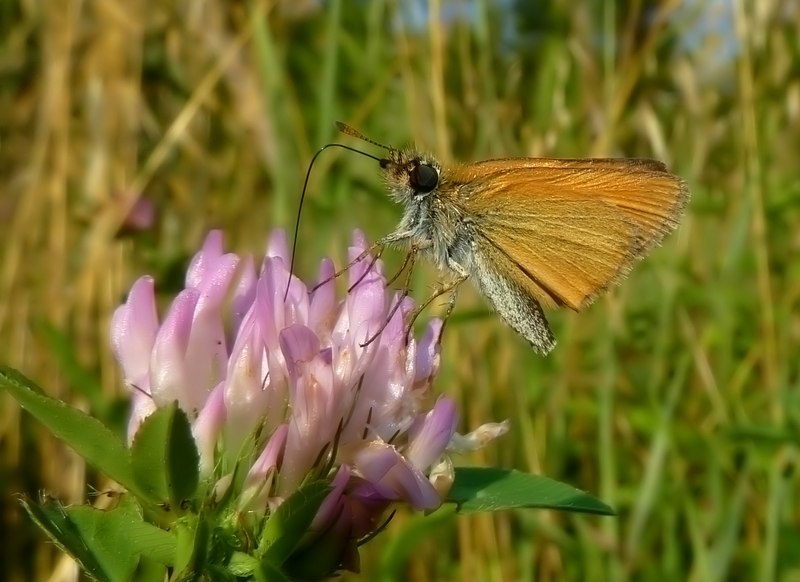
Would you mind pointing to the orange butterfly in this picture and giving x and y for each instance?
(531, 231)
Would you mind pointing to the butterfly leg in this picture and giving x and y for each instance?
(383, 243)
(367, 271)
(449, 287)
(379, 245)
(409, 262)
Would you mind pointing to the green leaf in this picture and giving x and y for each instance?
(492, 489)
(269, 573)
(107, 544)
(191, 553)
(165, 458)
(91, 440)
(77, 376)
(286, 526)
(323, 555)
(149, 570)
(242, 564)
(417, 531)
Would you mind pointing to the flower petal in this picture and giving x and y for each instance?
(277, 247)
(478, 438)
(206, 350)
(249, 396)
(142, 406)
(245, 293)
(168, 360)
(270, 457)
(393, 477)
(428, 440)
(204, 260)
(323, 302)
(280, 309)
(299, 345)
(427, 360)
(134, 326)
(208, 426)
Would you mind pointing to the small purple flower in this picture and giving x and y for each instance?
(249, 352)
(141, 215)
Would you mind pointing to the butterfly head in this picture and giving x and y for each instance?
(410, 175)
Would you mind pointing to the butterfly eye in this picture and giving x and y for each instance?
(424, 178)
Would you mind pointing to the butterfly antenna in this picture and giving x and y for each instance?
(305, 187)
(353, 132)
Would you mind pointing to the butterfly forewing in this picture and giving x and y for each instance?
(570, 228)
(570, 264)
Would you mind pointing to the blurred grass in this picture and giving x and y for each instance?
(677, 399)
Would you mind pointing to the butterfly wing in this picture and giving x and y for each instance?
(511, 298)
(565, 230)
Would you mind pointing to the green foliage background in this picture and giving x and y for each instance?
(676, 399)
